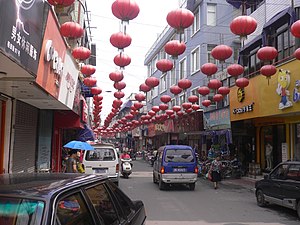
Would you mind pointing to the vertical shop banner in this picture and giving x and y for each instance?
(22, 24)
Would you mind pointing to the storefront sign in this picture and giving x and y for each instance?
(218, 117)
(247, 108)
(21, 27)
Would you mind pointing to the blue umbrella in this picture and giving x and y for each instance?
(79, 145)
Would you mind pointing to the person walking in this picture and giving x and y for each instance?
(215, 170)
(71, 164)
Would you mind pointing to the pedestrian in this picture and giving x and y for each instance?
(215, 170)
(71, 164)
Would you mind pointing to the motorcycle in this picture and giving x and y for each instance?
(126, 167)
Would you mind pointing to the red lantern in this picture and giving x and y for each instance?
(122, 60)
(119, 85)
(297, 54)
(96, 90)
(116, 76)
(138, 105)
(189, 110)
(295, 29)
(206, 103)
(89, 81)
(120, 40)
(184, 83)
(214, 84)
(140, 97)
(88, 70)
(268, 70)
(186, 105)
(117, 103)
(180, 19)
(169, 112)
(81, 53)
(243, 25)
(125, 10)
(179, 113)
(151, 113)
(193, 98)
(176, 108)
(203, 90)
(165, 98)
(195, 107)
(71, 30)
(98, 98)
(129, 116)
(175, 48)
(267, 53)
(242, 82)
(155, 108)
(119, 94)
(164, 65)
(152, 82)
(62, 3)
(217, 97)
(163, 107)
(145, 88)
(224, 90)
(235, 70)
(209, 69)
(175, 90)
(221, 52)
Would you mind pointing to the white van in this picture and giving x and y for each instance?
(103, 160)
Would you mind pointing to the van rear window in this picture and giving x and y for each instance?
(179, 155)
(101, 154)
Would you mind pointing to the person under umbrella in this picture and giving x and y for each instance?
(71, 164)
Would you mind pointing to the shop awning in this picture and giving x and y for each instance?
(86, 134)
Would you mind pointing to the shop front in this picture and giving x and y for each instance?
(270, 107)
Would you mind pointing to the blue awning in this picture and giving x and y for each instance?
(86, 134)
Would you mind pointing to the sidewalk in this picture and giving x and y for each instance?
(244, 182)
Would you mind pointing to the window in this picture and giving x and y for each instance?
(149, 70)
(195, 92)
(154, 92)
(284, 42)
(179, 155)
(103, 204)
(280, 172)
(293, 173)
(172, 75)
(181, 99)
(162, 54)
(182, 69)
(73, 210)
(163, 83)
(210, 58)
(195, 60)
(196, 23)
(172, 103)
(101, 154)
(211, 15)
(183, 36)
(153, 65)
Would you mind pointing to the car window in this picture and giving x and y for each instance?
(103, 204)
(72, 210)
(279, 172)
(125, 203)
(103, 154)
(293, 172)
(20, 211)
(179, 155)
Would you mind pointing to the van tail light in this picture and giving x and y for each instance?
(162, 170)
(196, 170)
(117, 168)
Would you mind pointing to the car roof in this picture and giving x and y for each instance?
(176, 147)
(103, 145)
(42, 185)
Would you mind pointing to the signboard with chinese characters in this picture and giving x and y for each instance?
(220, 117)
(21, 27)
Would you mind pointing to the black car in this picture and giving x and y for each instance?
(60, 199)
(281, 186)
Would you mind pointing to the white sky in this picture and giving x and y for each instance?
(143, 30)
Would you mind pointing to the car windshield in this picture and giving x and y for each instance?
(179, 155)
(20, 211)
(101, 154)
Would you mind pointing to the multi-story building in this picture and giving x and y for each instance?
(208, 125)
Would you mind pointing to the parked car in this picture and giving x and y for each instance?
(175, 164)
(59, 199)
(281, 186)
(102, 160)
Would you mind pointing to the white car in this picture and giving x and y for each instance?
(103, 160)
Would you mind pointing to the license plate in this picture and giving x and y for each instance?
(100, 170)
(179, 170)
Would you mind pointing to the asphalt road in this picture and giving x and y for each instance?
(228, 205)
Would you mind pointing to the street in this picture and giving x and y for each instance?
(228, 205)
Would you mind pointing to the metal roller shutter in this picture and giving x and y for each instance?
(24, 152)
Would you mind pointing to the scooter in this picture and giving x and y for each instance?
(126, 167)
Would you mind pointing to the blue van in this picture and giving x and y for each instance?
(175, 164)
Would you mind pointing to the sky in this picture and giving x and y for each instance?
(144, 30)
